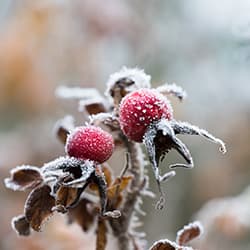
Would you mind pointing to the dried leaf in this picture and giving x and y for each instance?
(23, 178)
(115, 191)
(66, 196)
(189, 232)
(101, 235)
(83, 214)
(107, 171)
(63, 127)
(172, 89)
(108, 177)
(95, 108)
(38, 206)
(118, 186)
(21, 225)
(164, 245)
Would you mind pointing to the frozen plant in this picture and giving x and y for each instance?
(81, 183)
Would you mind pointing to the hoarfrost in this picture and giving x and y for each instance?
(172, 89)
(139, 78)
(77, 93)
(189, 232)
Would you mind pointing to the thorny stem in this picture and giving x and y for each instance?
(122, 227)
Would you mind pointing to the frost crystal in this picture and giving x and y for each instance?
(172, 89)
(76, 93)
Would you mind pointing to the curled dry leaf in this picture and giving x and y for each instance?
(115, 190)
(164, 245)
(115, 187)
(21, 225)
(168, 245)
(23, 178)
(84, 214)
(63, 127)
(172, 89)
(101, 235)
(38, 206)
(189, 232)
(66, 196)
(94, 108)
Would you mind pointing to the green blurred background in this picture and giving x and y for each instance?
(202, 45)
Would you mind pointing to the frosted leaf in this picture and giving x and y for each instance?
(83, 214)
(76, 93)
(62, 163)
(38, 207)
(168, 245)
(63, 127)
(138, 76)
(125, 81)
(66, 196)
(23, 178)
(189, 232)
(21, 225)
(93, 106)
(172, 89)
(186, 128)
(80, 170)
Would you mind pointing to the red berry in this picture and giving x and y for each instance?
(139, 109)
(90, 143)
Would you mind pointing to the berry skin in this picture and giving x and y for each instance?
(90, 143)
(139, 109)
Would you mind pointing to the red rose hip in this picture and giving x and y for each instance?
(90, 142)
(139, 109)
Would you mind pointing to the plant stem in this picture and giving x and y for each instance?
(122, 227)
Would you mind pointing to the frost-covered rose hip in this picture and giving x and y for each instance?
(139, 109)
(90, 142)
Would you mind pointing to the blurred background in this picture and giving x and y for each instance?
(201, 45)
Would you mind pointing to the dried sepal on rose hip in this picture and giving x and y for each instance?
(146, 116)
(90, 142)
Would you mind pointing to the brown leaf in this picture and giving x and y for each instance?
(23, 178)
(62, 128)
(107, 171)
(101, 237)
(38, 206)
(164, 245)
(82, 214)
(108, 177)
(21, 225)
(118, 186)
(66, 196)
(62, 134)
(95, 108)
(188, 233)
